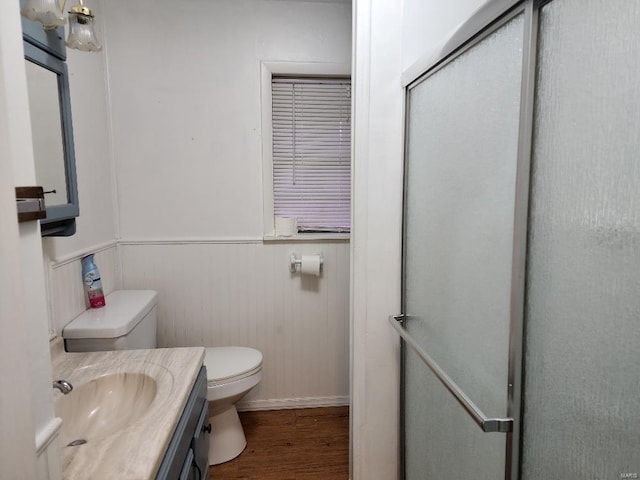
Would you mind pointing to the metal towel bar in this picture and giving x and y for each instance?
(502, 425)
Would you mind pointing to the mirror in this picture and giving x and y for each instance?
(46, 131)
(51, 127)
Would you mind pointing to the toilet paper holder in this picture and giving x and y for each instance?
(297, 262)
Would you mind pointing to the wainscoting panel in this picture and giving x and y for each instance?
(48, 451)
(215, 294)
(66, 291)
(48, 465)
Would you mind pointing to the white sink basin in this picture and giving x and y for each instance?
(125, 404)
(104, 406)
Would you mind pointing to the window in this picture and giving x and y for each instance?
(311, 151)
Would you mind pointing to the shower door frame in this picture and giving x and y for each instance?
(483, 23)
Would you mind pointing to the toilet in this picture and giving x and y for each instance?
(128, 322)
(231, 373)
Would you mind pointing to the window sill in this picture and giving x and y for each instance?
(308, 237)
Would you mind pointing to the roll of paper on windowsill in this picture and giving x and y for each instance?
(286, 226)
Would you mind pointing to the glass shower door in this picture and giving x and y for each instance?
(461, 162)
(582, 356)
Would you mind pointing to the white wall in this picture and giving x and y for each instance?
(427, 24)
(185, 89)
(377, 214)
(389, 37)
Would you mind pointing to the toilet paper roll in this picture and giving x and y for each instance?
(310, 265)
(286, 226)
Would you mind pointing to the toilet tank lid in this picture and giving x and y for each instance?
(123, 311)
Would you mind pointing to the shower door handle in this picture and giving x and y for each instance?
(501, 425)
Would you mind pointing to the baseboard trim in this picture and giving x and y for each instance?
(289, 403)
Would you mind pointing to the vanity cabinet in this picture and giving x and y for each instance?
(187, 456)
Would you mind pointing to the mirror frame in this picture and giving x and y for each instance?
(47, 51)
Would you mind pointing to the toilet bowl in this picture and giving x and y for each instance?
(231, 373)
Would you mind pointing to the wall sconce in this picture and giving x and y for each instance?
(81, 34)
(48, 12)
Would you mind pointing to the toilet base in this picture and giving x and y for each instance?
(227, 436)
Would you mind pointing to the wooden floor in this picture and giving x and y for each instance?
(304, 444)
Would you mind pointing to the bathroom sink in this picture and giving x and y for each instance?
(103, 406)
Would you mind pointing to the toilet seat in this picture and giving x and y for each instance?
(231, 364)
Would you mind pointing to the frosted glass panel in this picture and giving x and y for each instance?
(461, 169)
(582, 390)
(442, 442)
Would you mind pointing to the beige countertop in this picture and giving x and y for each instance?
(135, 451)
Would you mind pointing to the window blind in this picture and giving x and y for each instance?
(312, 152)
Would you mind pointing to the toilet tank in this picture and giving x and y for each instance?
(127, 322)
